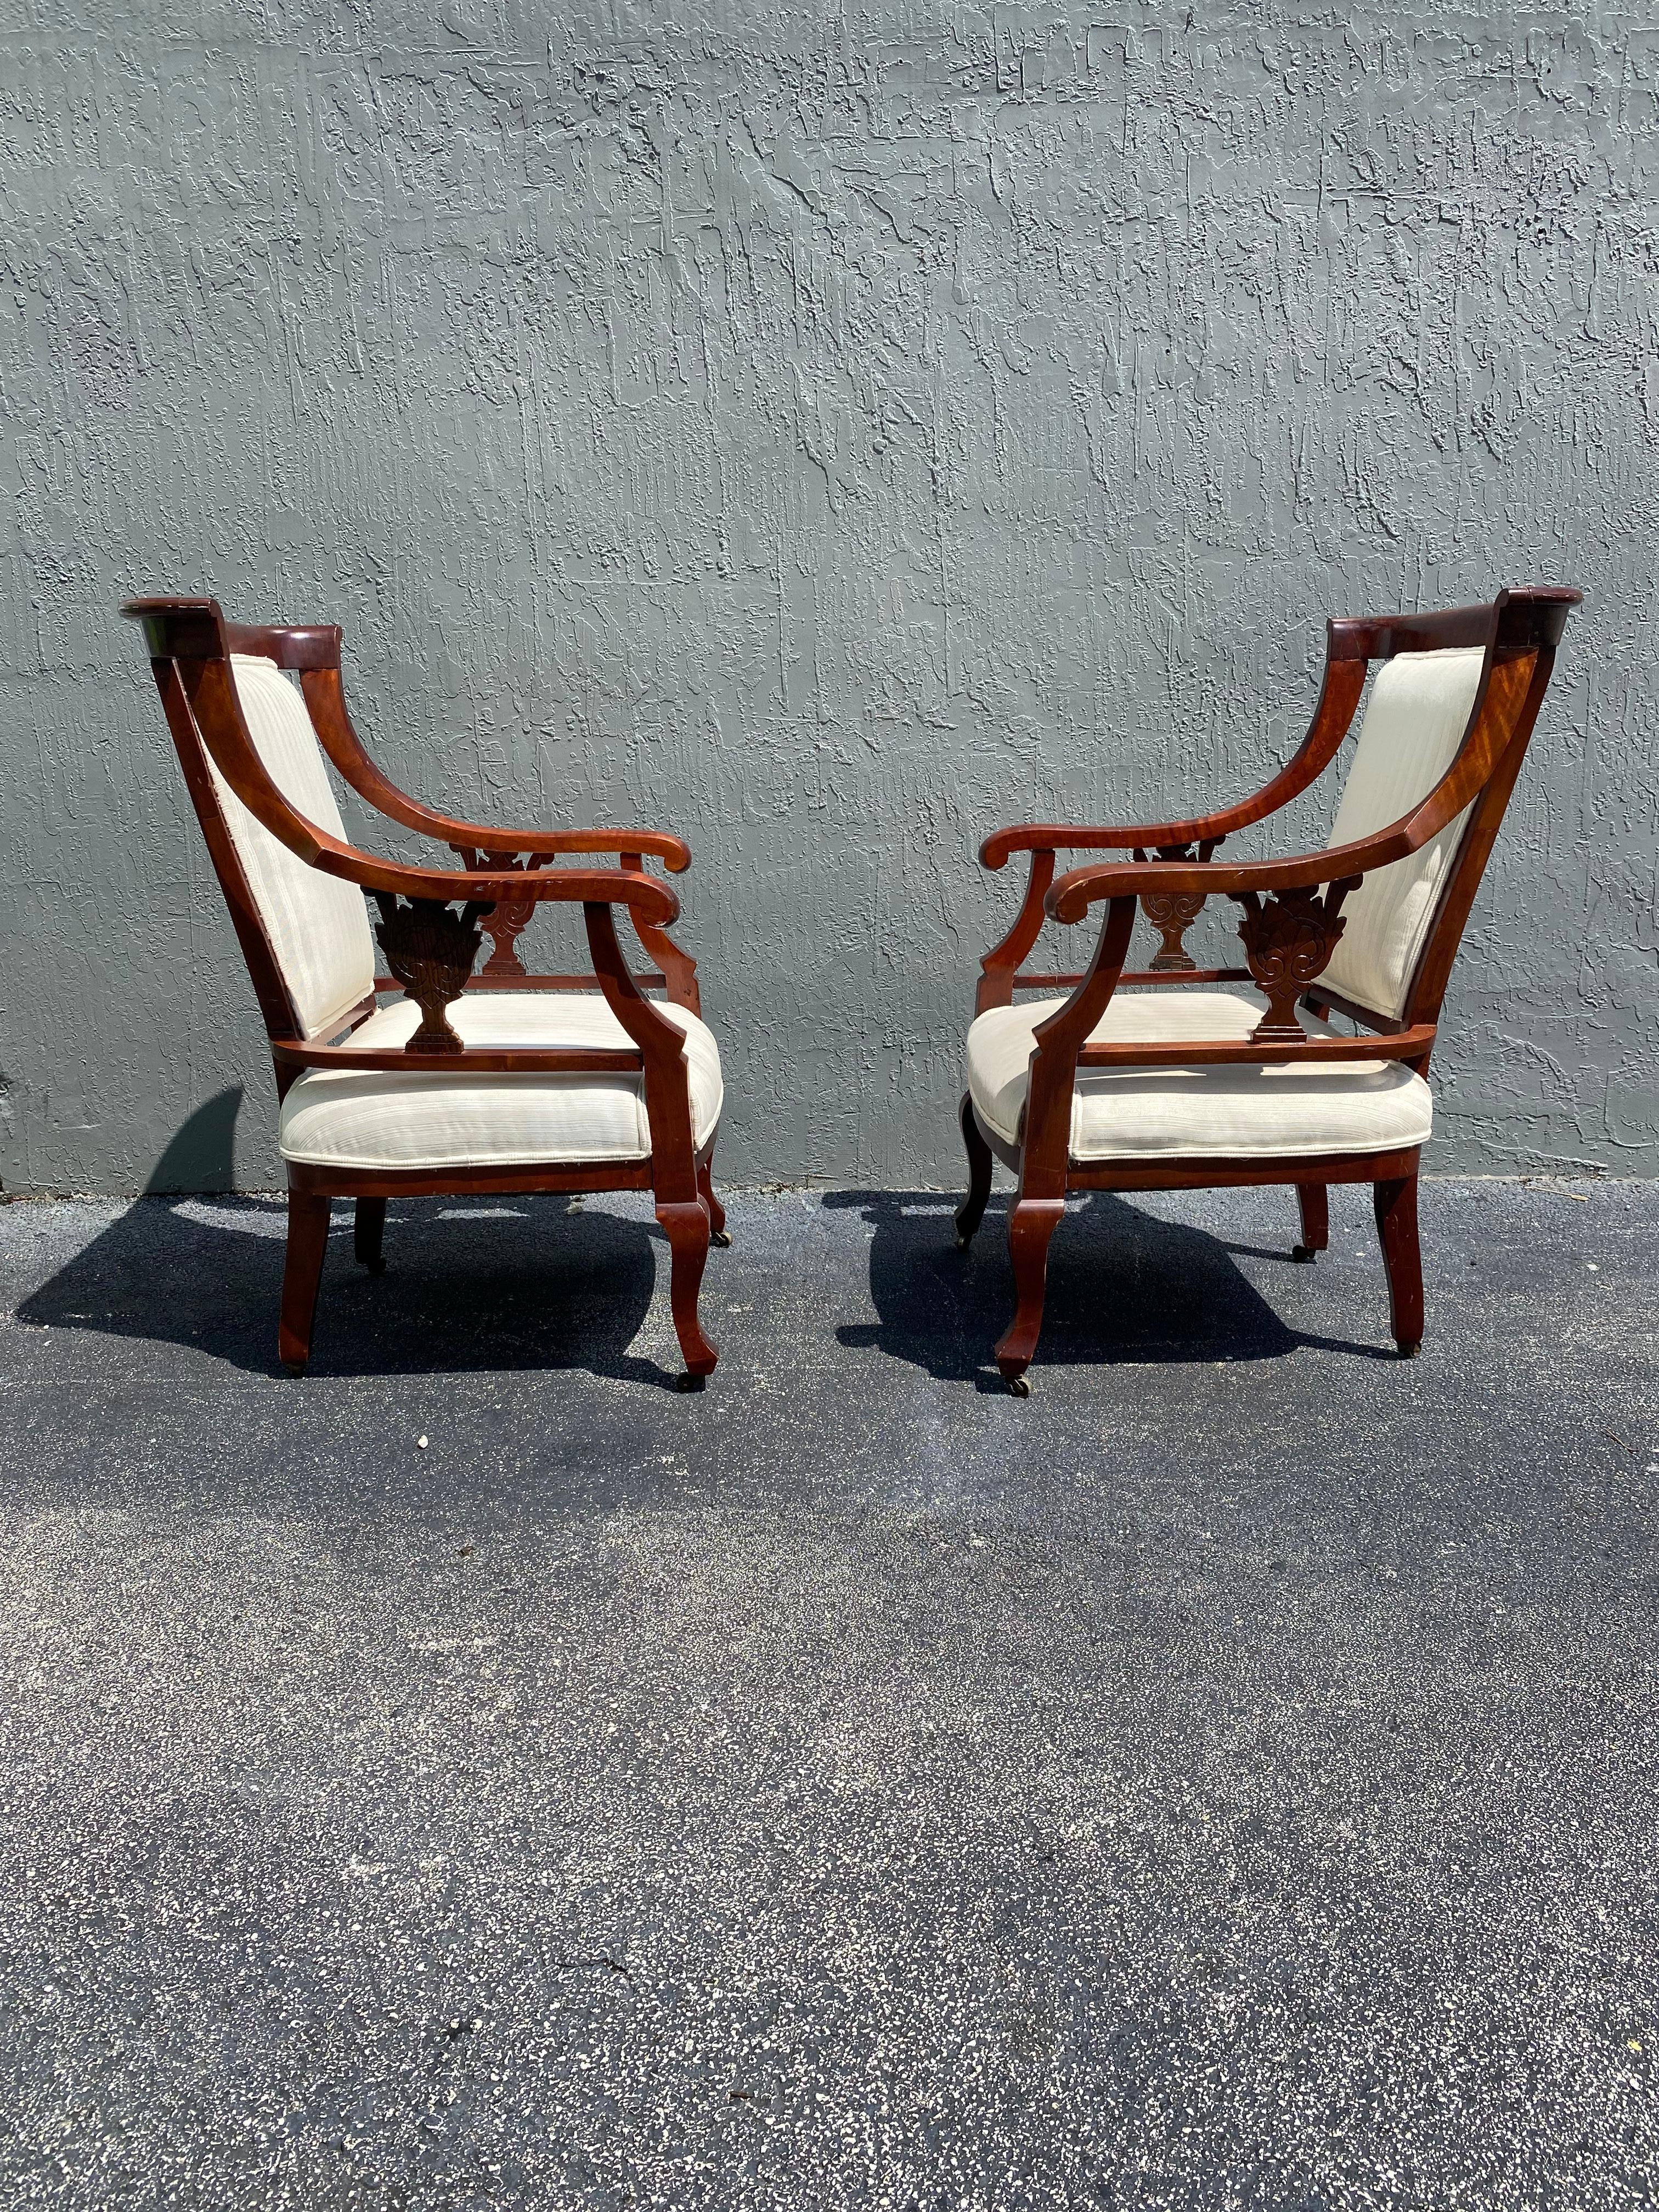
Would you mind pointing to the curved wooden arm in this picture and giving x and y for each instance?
(1499, 701)
(324, 696)
(1344, 679)
(211, 692)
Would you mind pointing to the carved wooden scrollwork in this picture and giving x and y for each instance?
(1288, 943)
(430, 951)
(507, 918)
(1172, 914)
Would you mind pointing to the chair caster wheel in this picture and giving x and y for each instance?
(1303, 1255)
(295, 1368)
(1410, 1350)
(720, 1236)
(1019, 1386)
(688, 1382)
(964, 1244)
(375, 1266)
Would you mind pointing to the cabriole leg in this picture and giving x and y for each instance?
(686, 1225)
(1315, 1201)
(1031, 1223)
(716, 1211)
(368, 1236)
(1396, 1226)
(971, 1212)
(307, 1241)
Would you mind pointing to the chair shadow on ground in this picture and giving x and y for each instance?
(1124, 1286)
(470, 1284)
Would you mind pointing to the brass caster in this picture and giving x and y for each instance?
(295, 1368)
(688, 1382)
(375, 1266)
(963, 1240)
(1303, 1255)
(1019, 1386)
(720, 1236)
(1410, 1350)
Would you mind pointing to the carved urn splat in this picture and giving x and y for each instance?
(1288, 943)
(430, 951)
(1172, 914)
(505, 920)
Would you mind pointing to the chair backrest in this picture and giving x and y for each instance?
(1415, 722)
(304, 934)
(316, 924)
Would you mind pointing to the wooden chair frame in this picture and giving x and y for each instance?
(1288, 941)
(506, 874)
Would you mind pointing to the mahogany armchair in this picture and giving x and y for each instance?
(498, 1081)
(1176, 1085)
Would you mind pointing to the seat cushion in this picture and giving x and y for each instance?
(465, 1119)
(1197, 1113)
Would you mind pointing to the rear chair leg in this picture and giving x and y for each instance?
(1315, 1201)
(716, 1211)
(1031, 1225)
(686, 1225)
(971, 1212)
(307, 1241)
(1396, 1226)
(370, 1229)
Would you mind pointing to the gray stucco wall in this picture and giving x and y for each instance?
(831, 433)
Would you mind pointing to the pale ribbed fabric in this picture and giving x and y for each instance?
(317, 925)
(465, 1119)
(1195, 1113)
(1419, 708)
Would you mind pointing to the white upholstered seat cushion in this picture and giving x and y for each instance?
(468, 1120)
(1418, 709)
(1195, 1113)
(318, 925)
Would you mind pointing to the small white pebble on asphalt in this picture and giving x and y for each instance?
(1591, 1265)
(421, 1443)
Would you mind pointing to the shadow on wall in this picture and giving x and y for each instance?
(1123, 1285)
(200, 1155)
(520, 1283)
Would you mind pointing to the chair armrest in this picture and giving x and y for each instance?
(1344, 679)
(325, 696)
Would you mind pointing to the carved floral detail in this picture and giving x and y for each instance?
(430, 951)
(1288, 943)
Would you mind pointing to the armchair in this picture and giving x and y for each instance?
(1171, 1086)
(498, 1081)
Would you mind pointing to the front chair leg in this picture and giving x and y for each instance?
(686, 1225)
(716, 1211)
(1396, 1226)
(1315, 1202)
(1031, 1223)
(971, 1212)
(368, 1236)
(307, 1241)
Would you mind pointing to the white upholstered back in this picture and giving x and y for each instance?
(317, 925)
(1420, 708)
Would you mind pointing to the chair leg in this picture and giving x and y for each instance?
(1315, 1201)
(307, 1241)
(1396, 1226)
(1031, 1225)
(370, 1229)
(686, 1224)
(716, 1212)
(971, 1212)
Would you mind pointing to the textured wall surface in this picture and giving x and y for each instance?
(832, 433)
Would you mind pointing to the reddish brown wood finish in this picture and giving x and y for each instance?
(507, 875)
(1291, 921)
